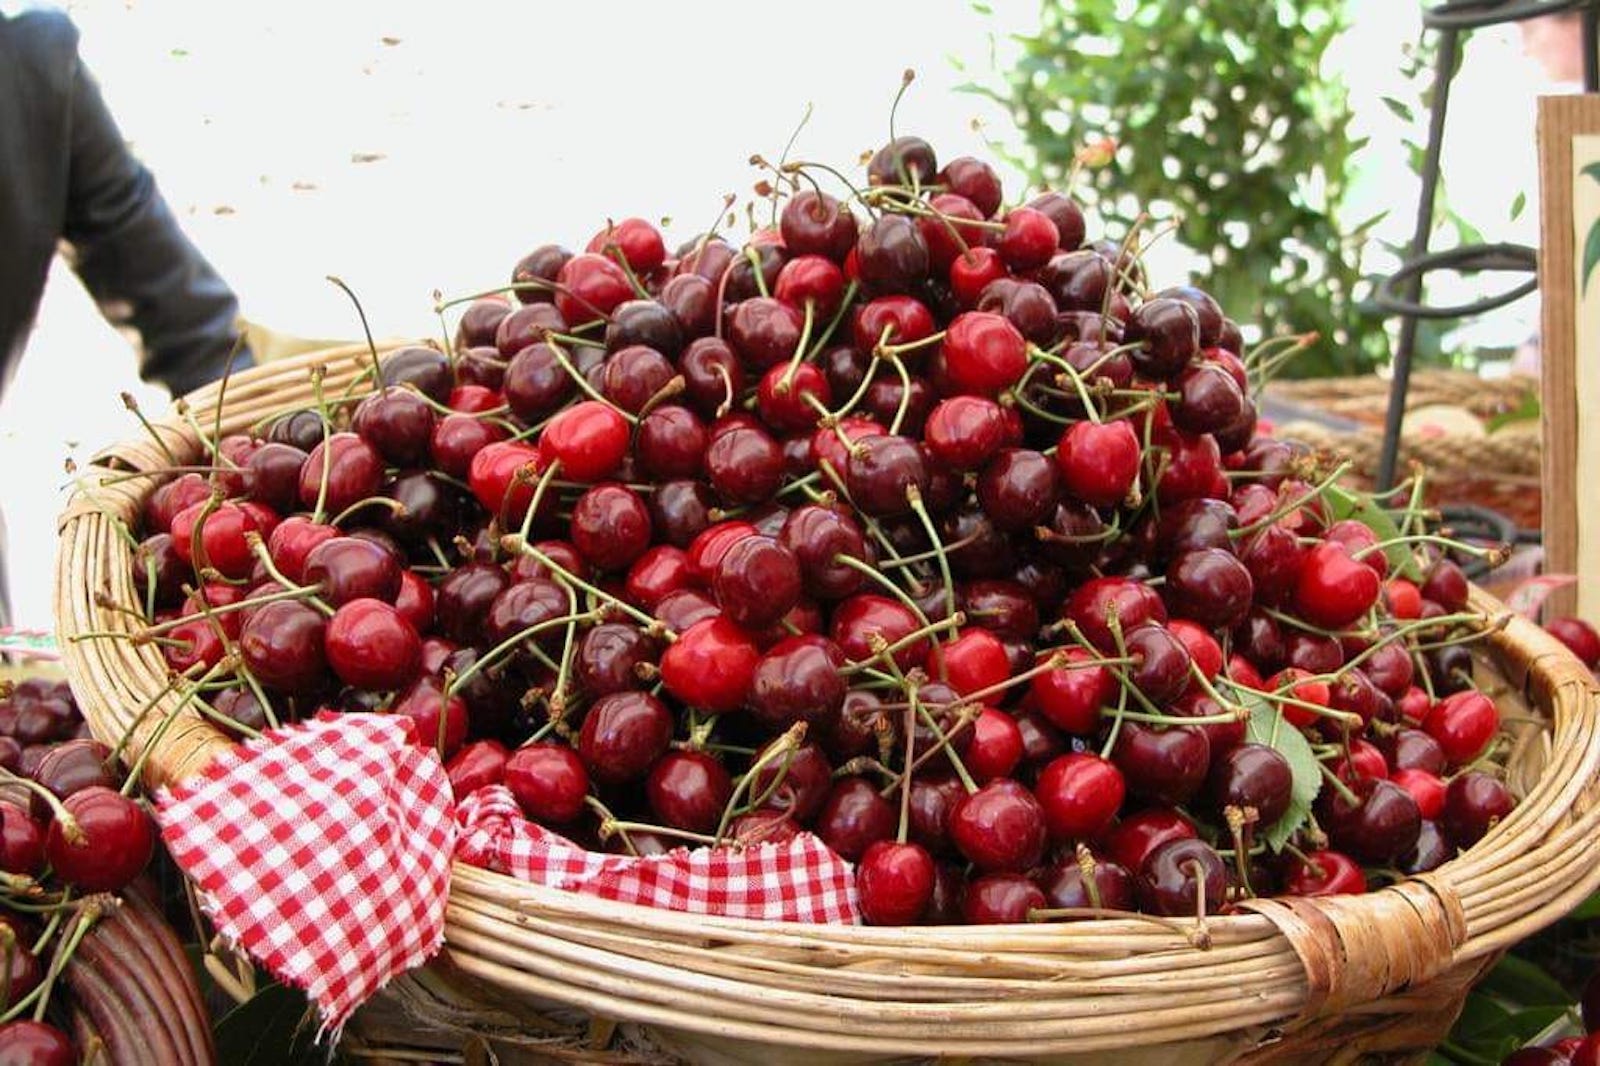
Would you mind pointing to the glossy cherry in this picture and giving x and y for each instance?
(710, 665)
(548, 781)
(894, 882)
(1000, 827)
(115, 845)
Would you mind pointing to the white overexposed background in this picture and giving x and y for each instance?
(409, 147)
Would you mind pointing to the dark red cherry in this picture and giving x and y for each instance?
(798, 680)
(854, 817)
(1168, 334)
(30, 1043)
(1379, 828)
(548, 781)
(814, 223)
(818, 536)
(1132, 839)
(352, 568)
(1000, 899)
(1474, 803)
(1182, 877)
(282, 646)
(1161, 667)
(1000, 827)
(856, 619)
(21, 841)
(744, 465)
(624, 734)
(113, 845)
(1029, 240)
(757, 582)
(680, 510)
(478, 765)
(615, 657)
(891, 255)
(1252, 775)
(463, 600)
(610, 526)
(1065, 213)
(1211, 586)
(882, 472)
(907, 160)
(1163, 765)
(689, 790)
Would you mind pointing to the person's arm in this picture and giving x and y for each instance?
(136, 262)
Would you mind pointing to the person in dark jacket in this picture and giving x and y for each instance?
(68, 182)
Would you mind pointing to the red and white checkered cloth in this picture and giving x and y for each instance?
(801, 880)
(324, 851)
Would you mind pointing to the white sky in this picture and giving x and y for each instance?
(498, 127)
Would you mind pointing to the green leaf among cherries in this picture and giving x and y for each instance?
(1266, 726)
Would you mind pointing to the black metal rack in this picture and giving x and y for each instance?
(1401, 293)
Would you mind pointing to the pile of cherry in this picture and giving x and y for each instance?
(913, 522)
(67, 831)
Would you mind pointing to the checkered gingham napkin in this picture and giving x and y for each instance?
(324, 851)
(801, 880)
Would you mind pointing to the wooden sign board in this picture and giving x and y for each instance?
(1569, 283)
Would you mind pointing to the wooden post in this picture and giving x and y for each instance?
(1569, 283)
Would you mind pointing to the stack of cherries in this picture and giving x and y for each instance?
(917, 521)
(67, 830)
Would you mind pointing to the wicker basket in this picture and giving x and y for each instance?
(1498, 470)
(1300, 980)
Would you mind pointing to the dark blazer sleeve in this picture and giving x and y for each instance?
(133, 257)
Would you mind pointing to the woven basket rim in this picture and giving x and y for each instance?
(1476, 904)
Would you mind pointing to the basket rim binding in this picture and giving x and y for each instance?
(1076, 986)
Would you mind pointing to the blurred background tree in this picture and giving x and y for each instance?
(1224, 119)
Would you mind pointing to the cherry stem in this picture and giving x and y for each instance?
(395, 507)
(520, 477)
(861, 391)
(131, 781)
(1495, 553)
(1311, 494)
(258, 547)
(1086, 872)
(518, 545)
(69, 825)
(1238, 823)
(507, 646)
(894, 351)
(557, 701)
(940, 736)
(133, 405)
(782, 748)
(1115, 626)
(786, 382)
(914, 498)
(1338, 785)
(833, 323)
(905, 396)
(583, 382)
(904, 783)
(1071, 372)
(317, 373)
(1279, 697)
(366, 329)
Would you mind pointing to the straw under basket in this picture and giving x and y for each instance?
(563, 976)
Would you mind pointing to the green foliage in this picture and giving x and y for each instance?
(1223, 120)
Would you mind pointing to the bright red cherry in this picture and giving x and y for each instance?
(1099, 462)
(1579, 636)
(29, 1043)
(996, 746)
(1427, 789)
(588, 439)
(1029, 240)
(21, 841)
(983, 353)
(502, 477)
(894, 882)
(636, 240)
(1463, 723)
(478, 765)
(223, 544)
(1334, 590)
(710, 665)
(1072, 696)
(1000, 827)
(591, 287)
(973, 662)
(1324, 873)
(1081, 794)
